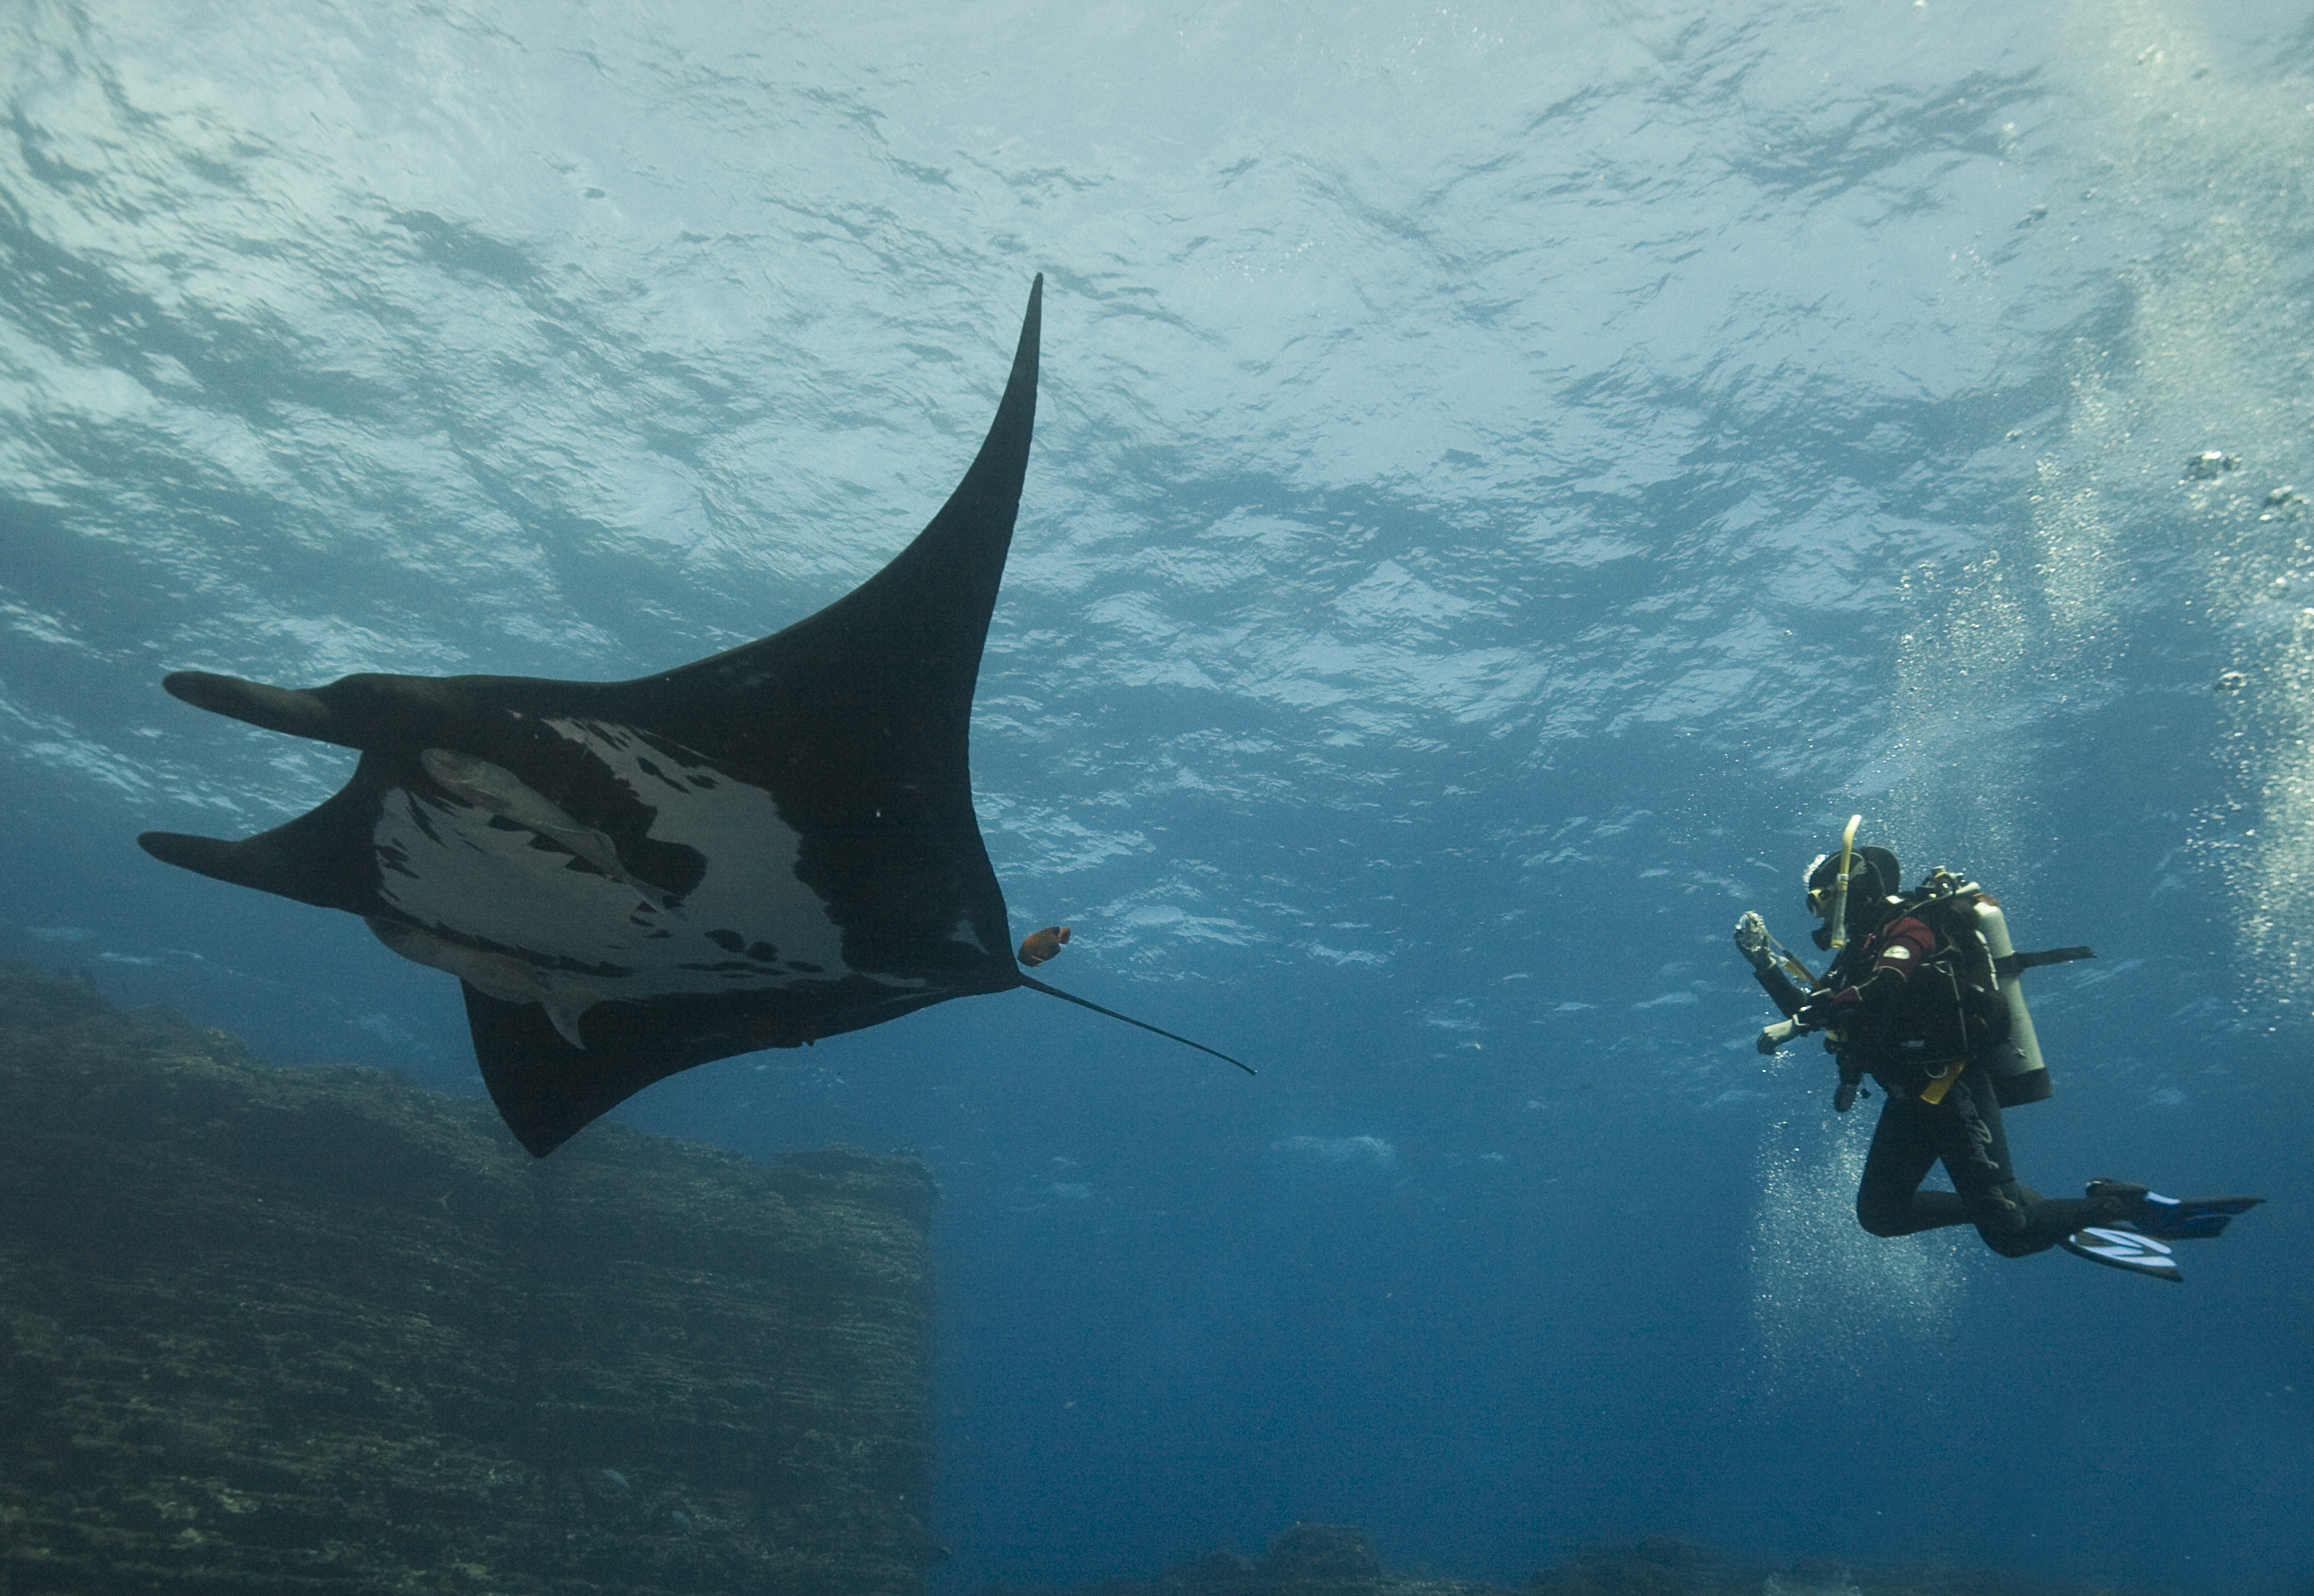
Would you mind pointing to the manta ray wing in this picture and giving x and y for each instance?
(548, 1091)
(756, 850)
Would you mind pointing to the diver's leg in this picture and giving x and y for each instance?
(2015, 1220)
(1889, 1201)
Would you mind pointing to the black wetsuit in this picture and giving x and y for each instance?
(1964, 1131)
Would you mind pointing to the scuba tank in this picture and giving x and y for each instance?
(2015, 1063)
(1971, 925)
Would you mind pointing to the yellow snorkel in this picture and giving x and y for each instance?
(1840, 887)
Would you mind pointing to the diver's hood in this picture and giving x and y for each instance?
(1823, 873)
(1874, 878)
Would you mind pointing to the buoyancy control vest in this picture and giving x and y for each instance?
(1963, 1005)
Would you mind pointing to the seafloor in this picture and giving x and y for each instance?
(1333, 1560)
(317, 1330)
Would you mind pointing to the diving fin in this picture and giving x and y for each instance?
(2117, 1246)
(2187, 1218)
(2167, 1219)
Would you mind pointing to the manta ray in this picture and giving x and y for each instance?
(757, 849)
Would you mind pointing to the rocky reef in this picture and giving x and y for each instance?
(1335, 1560)
(1307, 1560)
(307, 1330)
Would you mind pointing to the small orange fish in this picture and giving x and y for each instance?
(1038, 947)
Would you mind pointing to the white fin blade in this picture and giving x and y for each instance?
(2117, 1246)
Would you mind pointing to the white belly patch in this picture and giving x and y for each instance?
(517, 922)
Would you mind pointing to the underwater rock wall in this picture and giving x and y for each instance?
(318, 1330)
(1337, 1560)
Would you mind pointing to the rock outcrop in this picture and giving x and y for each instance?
(1308, 1560)
(318, 1330)
(1335, 1560)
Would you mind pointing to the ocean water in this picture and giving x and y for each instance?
(1509, 481)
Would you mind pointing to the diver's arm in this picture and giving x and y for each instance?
(1753, 941)
(1814, 1010)
(1903, 945)
(1824, 1010)
(1782, 991)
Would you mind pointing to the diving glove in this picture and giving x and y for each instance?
(1751, 939)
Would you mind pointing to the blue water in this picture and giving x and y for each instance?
(1509, 481)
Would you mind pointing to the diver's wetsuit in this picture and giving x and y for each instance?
(1964, 1130)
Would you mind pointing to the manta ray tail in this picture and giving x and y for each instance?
(1033, 985)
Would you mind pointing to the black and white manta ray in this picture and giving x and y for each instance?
(761, 849)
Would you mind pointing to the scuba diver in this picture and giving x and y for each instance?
(1922, 995)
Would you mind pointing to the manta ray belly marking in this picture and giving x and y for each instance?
(500, 791)
(516, 921)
